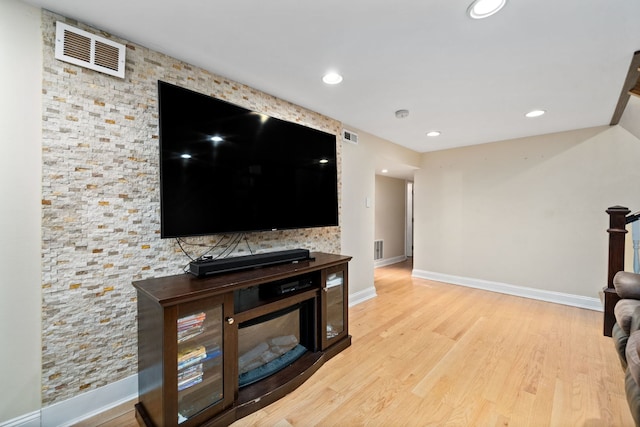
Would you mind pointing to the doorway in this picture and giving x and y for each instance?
(409, 221)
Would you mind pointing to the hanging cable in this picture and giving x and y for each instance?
(182, 249)
(181, 243)
(214, 247)
(231, 246)
(246, 240)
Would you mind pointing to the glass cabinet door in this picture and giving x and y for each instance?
(200, 365)
(334, 306)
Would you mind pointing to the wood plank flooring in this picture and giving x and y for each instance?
(431, 354)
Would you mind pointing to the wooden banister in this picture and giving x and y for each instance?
(617, 231)
(630, 87)
(632, 218)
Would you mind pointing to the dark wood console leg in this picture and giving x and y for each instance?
(142, 417)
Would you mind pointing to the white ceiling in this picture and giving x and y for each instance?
(473, 80)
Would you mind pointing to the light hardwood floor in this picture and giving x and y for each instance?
(431, 354)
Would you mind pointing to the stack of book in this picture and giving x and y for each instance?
(190, 356)
(190, 326)
(190, 376)
(190, 371)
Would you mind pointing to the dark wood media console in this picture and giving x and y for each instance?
(271, 327)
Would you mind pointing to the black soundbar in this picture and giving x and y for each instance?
(207, 267)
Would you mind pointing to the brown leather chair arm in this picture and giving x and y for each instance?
(627, 284)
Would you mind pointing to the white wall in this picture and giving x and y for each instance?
(528, 212)
(358, 185)
(536, 184)
(20, 209)
(20, 178)
(390, 215)
(358, 192)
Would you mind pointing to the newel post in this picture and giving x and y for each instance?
(617, 230)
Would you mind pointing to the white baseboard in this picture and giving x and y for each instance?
(94, 402)
(89, 404)
(521, 291)
(27, 420)
(81, 407)
(389, 261)
(362, 296)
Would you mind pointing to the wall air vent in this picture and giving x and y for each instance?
(88, 50)
(349, 136)
(378, 249)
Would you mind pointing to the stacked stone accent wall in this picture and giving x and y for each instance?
(101, 207)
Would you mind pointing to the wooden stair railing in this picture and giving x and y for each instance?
(630, 87)
(618, 219)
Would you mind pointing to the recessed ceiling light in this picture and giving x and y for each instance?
(324, 161)
(535, 113)
(385, 170)
(332, 78)
(185, 156)
(484, 8)
(433, 133)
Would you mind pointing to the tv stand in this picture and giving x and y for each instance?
(191, 334)
(207, 267)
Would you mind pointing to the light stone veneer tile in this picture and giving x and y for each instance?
(101, 207)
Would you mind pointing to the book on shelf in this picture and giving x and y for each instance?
(190, 376)
(190, 356)
(334, 280)
(191, 326)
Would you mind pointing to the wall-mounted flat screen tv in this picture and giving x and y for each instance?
(224, 168)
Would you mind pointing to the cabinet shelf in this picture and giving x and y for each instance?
(211, 311)
(207, 336)
(209, 378)
(334, 280)
(246, 299)
(274, 304)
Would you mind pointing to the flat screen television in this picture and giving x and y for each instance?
(224, 168)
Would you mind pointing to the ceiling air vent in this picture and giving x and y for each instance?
(88, 50)
(349, 136)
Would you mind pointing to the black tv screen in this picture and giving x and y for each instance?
(224, 168)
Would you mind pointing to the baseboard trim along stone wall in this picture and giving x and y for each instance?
(80, 407)
(93, 402)
(86, 405)
(96, 401)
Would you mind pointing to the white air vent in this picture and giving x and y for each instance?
(378, 249)
(349, 136)
(88, 50)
